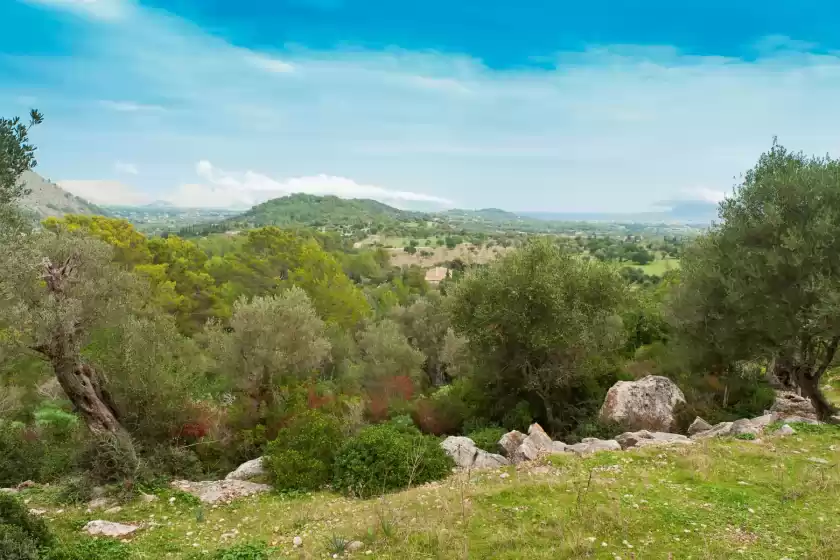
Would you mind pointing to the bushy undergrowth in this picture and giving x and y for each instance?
(384, 458)
(487, 438)
(723, 399)
(89, 549)
(22, 534)
(15, 544)
(302, 455)
(44, 450)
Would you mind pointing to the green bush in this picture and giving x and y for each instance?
(302, 455)
(20, 454)
(16, 544)
(245, 551)
(487, 438)
(382, 458)
(13, 513)
(90, 549)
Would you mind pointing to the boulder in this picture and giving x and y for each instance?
(646, 404)
(461, 449)
(699, 425)
(593, 445)
(354, 546)
(744, 426)
(213, 491)
(718, 430)
(761, 422)
(538, 436)
(788, 403)
(467, 456)
(797, 420)
(557, 447)
(248, 470)
(644, 438)
(102, 528)
(785, 430)
(510, 442)
(485, 460)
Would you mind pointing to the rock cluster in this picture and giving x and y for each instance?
(213, 491)
(646, 404)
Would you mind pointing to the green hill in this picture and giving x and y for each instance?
(48, 199)
(315, 211)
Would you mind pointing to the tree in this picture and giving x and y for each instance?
(542, 325)
(56, 288)
(386, 354)
(16, 155)
(271, 340)
(764, 284)
(410, 249)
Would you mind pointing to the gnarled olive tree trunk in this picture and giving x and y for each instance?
(803, 373)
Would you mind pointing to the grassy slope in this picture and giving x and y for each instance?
(718, 499)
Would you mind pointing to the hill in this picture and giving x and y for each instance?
(48, 199)
(311, 210)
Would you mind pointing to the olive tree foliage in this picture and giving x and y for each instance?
(426, 323)
(56, 289)
(542, 325)
(270, 340)
(764, 284)
(16, 155)
(385, 353)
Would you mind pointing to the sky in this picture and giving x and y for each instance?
(546, 105)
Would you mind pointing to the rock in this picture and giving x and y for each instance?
(510, 442)
(99, 503)
(834, 419)
(213, 491)
(818, 460)
(354, 546)
(248, 470)
(148, 498)
(699, 425)
(788, 403)
(538, 436)
(743, 426)
(37, 511)
(109, 528)
(646, 404)
(297, 542)
(718, 430)
(9, 490)
(485, 460)
(26, 484)
(785, 430)
(535, 444)
(98, 492)
(461, 449)
(644, 438)
(761, 422)
(798, 420)
(593, 445)
(113, 510)
(557, 447)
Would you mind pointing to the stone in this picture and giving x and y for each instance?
(148, 498)
(788, 403)
(785, 430)
(213, 491)
(761, 422)
(297, 542)
(718, 430)
(26, 484)
(9, 490)
(593, 445)
(98, 492)
(528, 451)
(354, 546)
(485, 460)
(510, 442)
(538, 436)
(798, 420)
(536, 443)
(743, 426)
(646, 404)
(113, 510)
(818, 460)
(102, 528)
(699, 425)
(461, 449)
(248, 470)
(557, 447)
(644, 438)
(99, 503)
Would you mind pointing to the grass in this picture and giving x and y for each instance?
(716, 499)
(660, 266)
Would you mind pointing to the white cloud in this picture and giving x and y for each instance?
(705, 194)
(129, 106)
(223, 189)
(99, 9)
(269, 64)
(129, 168)
(109, 193)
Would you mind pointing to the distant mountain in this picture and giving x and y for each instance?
(159, 204)
(488, 214)
(48, 199)
(310, 210)
(673, 211)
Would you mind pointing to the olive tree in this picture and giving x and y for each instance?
(56, 289)
(764, 284)
(270, 340)
(16, 155)
(542, 325)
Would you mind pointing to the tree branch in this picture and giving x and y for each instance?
(830, 351)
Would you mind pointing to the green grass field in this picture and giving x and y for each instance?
(661, 266)
(713, 500)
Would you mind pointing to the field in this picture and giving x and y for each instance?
(660, 266)
(465, 251)
(770, 499)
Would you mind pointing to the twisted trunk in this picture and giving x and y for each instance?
(803, 373)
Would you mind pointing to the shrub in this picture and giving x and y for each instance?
(15, 544)
(89, 549)
(302, 455)
(245, 551)
(14, 513)
(20, 454)
(382, 458)
(488, 438)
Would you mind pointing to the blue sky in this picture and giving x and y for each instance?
(544, 105)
